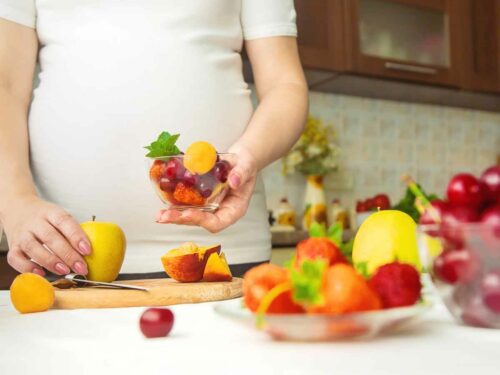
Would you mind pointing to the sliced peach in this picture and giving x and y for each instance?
(187, 263)
(217, 268)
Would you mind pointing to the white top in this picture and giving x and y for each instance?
(108, 341)
(116, 73)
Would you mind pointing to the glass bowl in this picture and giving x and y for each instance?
(463, 260)
(324, 327)
(180, 189)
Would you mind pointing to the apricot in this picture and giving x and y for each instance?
(31, 293)
(319, 248)
(200, 157)
(346, 291)
(217, 268)
(187, 263)
(258, 281)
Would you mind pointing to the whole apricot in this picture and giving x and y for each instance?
(31, 293)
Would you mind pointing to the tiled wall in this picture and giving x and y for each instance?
(381, 140)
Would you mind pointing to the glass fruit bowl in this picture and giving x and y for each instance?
(180, 189)
(463, 260)
(324, 327)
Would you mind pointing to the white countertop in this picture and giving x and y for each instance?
(109, 342)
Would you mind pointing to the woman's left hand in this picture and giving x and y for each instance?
(241, 182)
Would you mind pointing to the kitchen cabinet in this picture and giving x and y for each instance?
(481, 48)
(452, 44)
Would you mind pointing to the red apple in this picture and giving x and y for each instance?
(465, 189)
(156, 322)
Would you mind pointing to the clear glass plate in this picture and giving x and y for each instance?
(304, 327)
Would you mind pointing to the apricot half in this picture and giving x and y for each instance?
(217, 268)
(187, 263)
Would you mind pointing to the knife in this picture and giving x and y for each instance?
(80, 280)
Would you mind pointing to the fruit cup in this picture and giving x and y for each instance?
(463, 260)
(181, 189)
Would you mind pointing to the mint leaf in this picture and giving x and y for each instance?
(317, 230)
(362, 268)
(346, 249)
(163, 146)
(307, 282)
(334, 233)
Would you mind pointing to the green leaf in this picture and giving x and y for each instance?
(334, 233)
(317, 230)
(362, 268)
(163, 146)
(289, 264)
(346, 249)
(307, 282)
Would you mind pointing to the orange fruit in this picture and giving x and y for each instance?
(200, 157)
(30, 292)
(346, 291)
(258, 281)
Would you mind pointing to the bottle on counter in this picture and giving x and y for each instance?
(285, 214)
(339, 214)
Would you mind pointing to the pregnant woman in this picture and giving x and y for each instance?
(112, 76)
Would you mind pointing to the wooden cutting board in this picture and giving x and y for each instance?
(162, 292)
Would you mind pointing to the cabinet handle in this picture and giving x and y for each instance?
(410, 68)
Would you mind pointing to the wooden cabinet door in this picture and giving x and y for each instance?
(320, 26)
(413, 40)
(480, 69)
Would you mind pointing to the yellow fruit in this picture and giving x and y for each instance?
(31, 293)
(108, 250)
(200, 157)
(384, 237)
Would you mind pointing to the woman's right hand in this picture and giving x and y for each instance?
(33, 227)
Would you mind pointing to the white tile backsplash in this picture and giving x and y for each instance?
(380, 140)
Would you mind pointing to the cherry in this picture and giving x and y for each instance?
(156, 322)
(490, 180)
(456, 214)
(221, 171)
(490, 290)
(465, 189)
(382, 201)
(476, 314)
(457, 266)
(491, 218)
(361, 207)
(167, 185)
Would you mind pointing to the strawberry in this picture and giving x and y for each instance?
(188, 195)
(398, 284)
(316, 248)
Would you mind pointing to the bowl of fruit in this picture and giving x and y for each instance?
(196, 178)
(459, 242)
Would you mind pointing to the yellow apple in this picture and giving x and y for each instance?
(108, 250)
(384, 237)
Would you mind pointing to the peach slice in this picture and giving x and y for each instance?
(187, 263)
(217, 269)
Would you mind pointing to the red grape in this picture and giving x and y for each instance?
(360, 207)
(221, 171)
(167, 185)
(491, 183)
(174, 169)
(382, 201)
(491, 219)
(465, 189)
(206, 184)
(156, 322)
(490, 290)
(457, 266)
(189, 179)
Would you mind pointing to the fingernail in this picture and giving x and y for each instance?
(38, 271)
(84, 247)
(80, 268)
(234, 181)
(62, 268)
